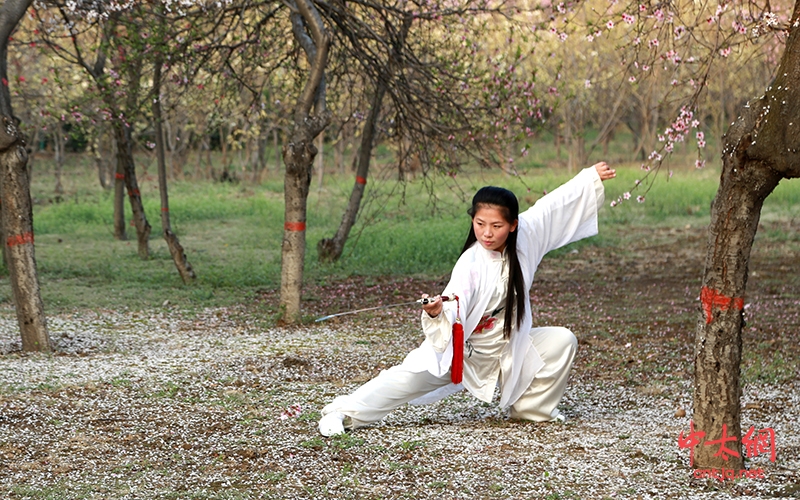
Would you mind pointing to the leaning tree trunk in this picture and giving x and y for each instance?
(330, 249)
(126, 165)
(18, 235)
(299, 152)
(761, 148)
(175, 248)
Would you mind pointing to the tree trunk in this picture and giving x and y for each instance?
(120, 229)
(718, 345)
(320, 160)
(18, 236)
(299, 152)
(276, 145)
(169, 145)
(96, 149)
(261, 156)
(330, 249)
(125, 163)
(761, 147)
(223, 144)
(175, 248)
(17, 210)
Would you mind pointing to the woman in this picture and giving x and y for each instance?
(488, 297)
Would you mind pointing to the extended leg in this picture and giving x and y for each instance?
(374, 400)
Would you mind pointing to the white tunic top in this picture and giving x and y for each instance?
(479, 279)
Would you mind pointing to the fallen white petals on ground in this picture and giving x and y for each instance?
(207, 405)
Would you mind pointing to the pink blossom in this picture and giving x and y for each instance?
(610, 24)
(292, 411)
(626, 195)
(699, 163)
(640, 199)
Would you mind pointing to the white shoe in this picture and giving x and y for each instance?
(331, 424)
(559, 419)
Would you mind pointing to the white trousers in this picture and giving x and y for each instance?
(396, 386)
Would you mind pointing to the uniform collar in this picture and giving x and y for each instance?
(491, 254)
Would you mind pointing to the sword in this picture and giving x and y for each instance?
(426, 300)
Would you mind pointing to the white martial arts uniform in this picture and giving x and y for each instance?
(533, 366)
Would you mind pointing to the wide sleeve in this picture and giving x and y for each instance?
(438, 330)
(565, 215)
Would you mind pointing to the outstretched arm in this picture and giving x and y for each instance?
(567, 214)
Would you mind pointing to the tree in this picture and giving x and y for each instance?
(330, 249)
(175, 248)
(759, 150)
(298, 153)
(103, 33)
(17, 210)
(448, 99)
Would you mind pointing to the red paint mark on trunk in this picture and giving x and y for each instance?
(19, 239)
(710, 298)
(294, 226)
(360, 180)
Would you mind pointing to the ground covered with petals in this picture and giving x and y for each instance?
(212, 404)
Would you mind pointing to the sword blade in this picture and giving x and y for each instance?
(364, 310)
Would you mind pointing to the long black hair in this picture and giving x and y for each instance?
(506, 202)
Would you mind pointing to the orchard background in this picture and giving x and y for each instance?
(240, 130)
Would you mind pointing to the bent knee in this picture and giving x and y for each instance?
(557, 337)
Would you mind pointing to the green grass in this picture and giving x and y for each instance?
(232, 233)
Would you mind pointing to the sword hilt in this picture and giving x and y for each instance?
(428, 300)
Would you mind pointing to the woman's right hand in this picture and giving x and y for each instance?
(604, 171)
(434, 307)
